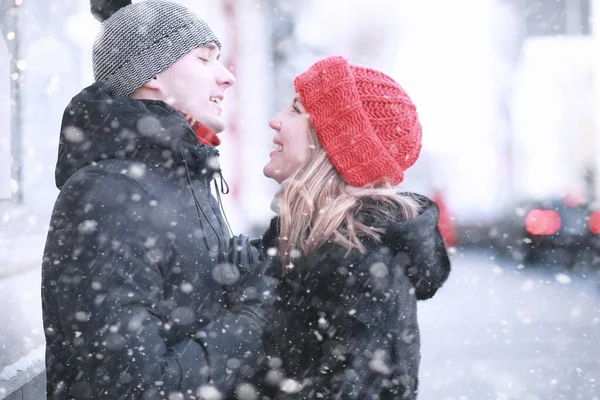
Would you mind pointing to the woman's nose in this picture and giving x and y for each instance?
(275, 124)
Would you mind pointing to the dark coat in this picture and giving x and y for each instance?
(345, 324)
(132, 286)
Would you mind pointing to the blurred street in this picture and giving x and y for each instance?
(508, 96)
(495, 331)
(500, 331)
(21, 331)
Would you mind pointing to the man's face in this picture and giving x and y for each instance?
(196, 85)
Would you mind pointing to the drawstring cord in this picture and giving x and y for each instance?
(197, 203)
(219, 199)
(223, 183)
(224, 190)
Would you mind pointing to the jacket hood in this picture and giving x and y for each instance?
(418, 245)
(97, 126)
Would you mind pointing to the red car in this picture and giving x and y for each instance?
(550, 227)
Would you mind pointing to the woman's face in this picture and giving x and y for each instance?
(291, 142)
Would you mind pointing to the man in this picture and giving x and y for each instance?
(134, 271)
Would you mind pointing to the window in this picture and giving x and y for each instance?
(5, 150)
(10, 150)
(557, 17)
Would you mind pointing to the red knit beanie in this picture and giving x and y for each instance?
(366, 122)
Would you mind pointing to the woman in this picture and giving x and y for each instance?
(351, 255)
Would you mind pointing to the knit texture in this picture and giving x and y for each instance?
(143, 39)
(204, 134)
(364, 119)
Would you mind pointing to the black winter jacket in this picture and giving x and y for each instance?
(345, 324)
(133, 273)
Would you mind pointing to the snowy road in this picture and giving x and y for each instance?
(493, 332)
(21, 330)
(500, 332)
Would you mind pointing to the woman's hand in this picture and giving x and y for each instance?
(253, 293)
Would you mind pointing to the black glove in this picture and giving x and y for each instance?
(253, 293)
(244, 253)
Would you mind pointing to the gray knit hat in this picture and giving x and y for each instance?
(140, 40)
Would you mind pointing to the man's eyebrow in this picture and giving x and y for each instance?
(296, 99)
(212, 47)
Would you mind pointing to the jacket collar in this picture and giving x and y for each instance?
(97, 126)
(416, 244)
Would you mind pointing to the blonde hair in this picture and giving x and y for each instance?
(317, 205)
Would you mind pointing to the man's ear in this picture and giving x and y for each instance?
(152, 84)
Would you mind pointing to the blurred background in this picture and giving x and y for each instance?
(508, 93)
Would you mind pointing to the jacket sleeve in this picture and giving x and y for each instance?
(363, 317)
(104, 305)
(383, 344)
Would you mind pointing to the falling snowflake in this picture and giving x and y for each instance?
(148, 125)
(213, 162)
(379, 270)
(246, 391)
(290, 386)
(81, 316)
(137, 170)
(563, 279)
(225, 274)
(73, 134)
(207, 392)
(497, 270)
(527, 286)
(87, 227)
(378, 364)
(187, 287)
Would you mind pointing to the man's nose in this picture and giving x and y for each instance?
(225, 77)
